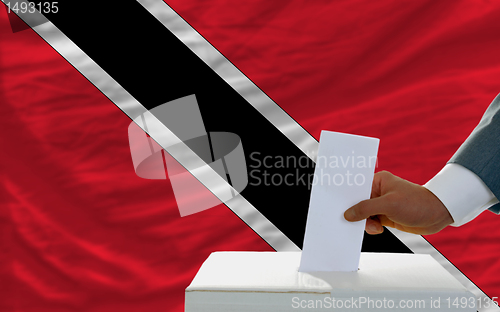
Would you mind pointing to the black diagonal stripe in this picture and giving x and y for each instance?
(155, 67)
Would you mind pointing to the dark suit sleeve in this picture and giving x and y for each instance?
(480, 153)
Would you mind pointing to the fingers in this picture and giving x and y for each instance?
(380, 180)
(376, 189)
(386, 221)
(373, 226)
(366, 209)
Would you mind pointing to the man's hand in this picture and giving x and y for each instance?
(402, 205)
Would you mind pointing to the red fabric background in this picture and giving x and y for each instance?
(81, 232)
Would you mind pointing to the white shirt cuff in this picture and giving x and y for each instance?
(462, 192)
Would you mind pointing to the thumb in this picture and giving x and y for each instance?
(366, 209)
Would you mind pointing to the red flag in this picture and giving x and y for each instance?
(81, 231)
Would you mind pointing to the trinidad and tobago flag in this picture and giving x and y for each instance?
(96, 216)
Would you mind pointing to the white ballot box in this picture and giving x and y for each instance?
(271, 282)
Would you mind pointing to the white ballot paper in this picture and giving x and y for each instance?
(343, 177)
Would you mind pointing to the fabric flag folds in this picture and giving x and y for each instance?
(80, 230)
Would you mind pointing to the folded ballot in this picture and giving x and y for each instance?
(271, 282)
